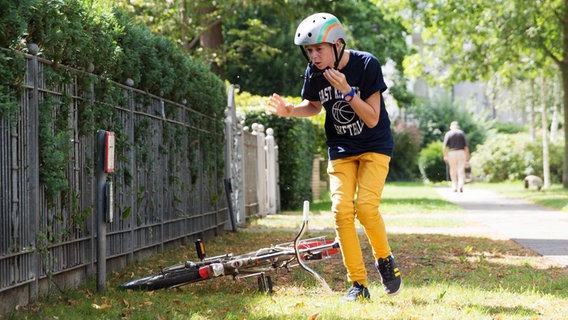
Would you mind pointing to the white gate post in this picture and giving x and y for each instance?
(234, 166)
(258, 130)
(238, 173)
(270, 171)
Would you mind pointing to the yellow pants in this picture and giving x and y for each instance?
(356, 185)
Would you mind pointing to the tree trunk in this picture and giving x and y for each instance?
(532, 101)
(212, 39)
(184, 26)
(564, 70)
(556, 102)
(545, 152)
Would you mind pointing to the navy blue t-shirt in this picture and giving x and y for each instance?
(347, 135)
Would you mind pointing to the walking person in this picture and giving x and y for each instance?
(456, 154)
(349, 85)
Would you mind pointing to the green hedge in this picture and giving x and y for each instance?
(90, 35)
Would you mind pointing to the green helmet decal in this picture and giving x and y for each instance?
(326, 29)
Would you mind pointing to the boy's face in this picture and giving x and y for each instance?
(321, 55)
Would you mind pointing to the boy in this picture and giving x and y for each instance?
(349, 85)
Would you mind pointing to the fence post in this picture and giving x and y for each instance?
(239, 172)
(235, 158)
(270, 171)
(258, 130)
(33, 162)
(101, 225)
(231, 224)
(277, 179)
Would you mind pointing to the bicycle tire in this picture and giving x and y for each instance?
(166, 279)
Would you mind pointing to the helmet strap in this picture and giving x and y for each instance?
(305, 53)
(338, 57)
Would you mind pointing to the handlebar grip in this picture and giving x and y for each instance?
(306, 210)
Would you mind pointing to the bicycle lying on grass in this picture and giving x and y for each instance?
(257, 263)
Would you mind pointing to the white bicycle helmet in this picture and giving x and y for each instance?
(320, 28)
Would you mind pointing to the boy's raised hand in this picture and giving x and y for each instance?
(278, 106)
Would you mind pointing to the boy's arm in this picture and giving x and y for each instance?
(278, 106)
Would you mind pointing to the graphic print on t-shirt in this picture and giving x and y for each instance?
(345, 120)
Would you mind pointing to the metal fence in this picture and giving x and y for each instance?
(164, 190)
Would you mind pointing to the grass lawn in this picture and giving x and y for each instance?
(444, 277)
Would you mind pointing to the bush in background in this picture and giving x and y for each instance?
(509, 157)
(434, 116)
(509, 128)
(431, 163)
(404, 162)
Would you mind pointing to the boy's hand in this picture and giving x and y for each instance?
(337, 80)
(278, 106)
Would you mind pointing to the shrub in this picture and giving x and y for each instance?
(431, 163)
(533, 159)
(404, 162)
(513, 156)
(509, 128)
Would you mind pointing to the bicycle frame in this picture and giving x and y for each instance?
(256, 263)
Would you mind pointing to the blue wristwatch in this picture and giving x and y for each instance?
(349, 96)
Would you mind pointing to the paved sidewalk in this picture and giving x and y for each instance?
(543, 230)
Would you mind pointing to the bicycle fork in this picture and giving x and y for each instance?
(319, 278)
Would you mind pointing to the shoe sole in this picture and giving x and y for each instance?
(396, 292)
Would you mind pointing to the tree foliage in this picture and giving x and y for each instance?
(258, 51)
(479, 39)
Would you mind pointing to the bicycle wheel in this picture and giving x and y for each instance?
(166, 279)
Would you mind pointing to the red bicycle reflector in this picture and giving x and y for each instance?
(205, 272)
(212, 270)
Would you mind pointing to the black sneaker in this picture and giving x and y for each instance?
(357, 292)
(390, 275)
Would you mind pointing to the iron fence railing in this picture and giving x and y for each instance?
(160, 196)
(168, 184)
